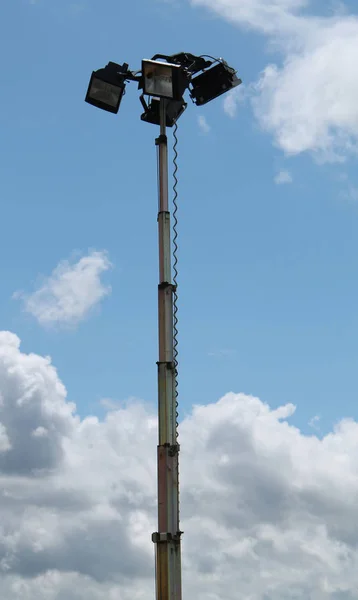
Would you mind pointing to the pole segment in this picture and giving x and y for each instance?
(167, 539)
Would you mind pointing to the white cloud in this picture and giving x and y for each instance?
(203, 124)
(268, 16)
(70, 292)
(230, 105)
(233, 99)
(314, 422)
(268, 513)
(283, 177)
(309, 100)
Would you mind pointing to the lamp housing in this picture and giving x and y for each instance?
(174, 110)
(107, 87)
(213, 83)
(163, 79)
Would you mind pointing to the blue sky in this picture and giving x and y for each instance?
(268, 271)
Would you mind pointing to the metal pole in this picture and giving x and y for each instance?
(167, 539)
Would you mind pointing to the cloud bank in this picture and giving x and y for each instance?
(268, 513)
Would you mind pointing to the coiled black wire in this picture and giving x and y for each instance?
(175, 272)
(175, 294)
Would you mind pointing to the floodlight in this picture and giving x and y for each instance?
(164, 80)
(107, 87)
(212, 83)
(174, 110)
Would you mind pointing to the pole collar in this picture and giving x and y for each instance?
(162, 139)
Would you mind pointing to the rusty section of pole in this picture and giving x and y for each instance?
(167, 539)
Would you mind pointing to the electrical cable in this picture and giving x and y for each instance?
(216, 60)
(175, 272)
(175, 294)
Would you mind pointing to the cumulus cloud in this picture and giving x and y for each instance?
(234, 98)
(268, 513)
(203, 124)
(266, 15)
(311, 102)
(283, 177)
(308, 100)
(70, 292)
(29, 406)
(65, 513)
(314, 422)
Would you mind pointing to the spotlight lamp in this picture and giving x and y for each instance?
(174, 110)
(164, 79)
(213, 83)
(107, 87)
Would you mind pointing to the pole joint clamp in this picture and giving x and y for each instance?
(162, 139)
(160, 538)
(165, 285)
(171, 366)
(174, 449)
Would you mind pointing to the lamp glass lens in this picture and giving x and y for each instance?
(104, 92)
(158, 80)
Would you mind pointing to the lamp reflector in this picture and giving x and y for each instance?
(164, 80)
(213, 83)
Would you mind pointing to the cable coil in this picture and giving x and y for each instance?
(175, 272)
(175, 293)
